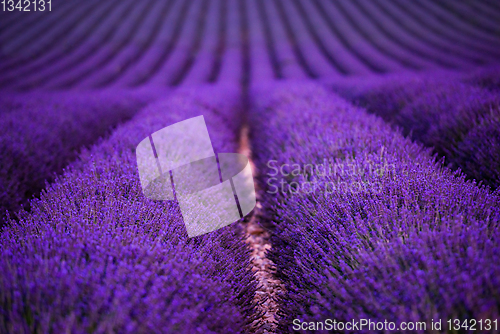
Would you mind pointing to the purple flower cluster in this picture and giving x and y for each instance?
(446, 116)
(425, 247)
(488, 77)
(95, 255)
(43, 132)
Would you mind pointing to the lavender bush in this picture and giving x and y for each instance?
(439, 115)
(398, 236)
(43, 132)
(479, 151)
(387, 97)
(488, 78)
(95, 255)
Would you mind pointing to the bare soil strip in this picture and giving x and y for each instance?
(258, 240)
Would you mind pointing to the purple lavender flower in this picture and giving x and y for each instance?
(43, 132)
(94, 254)
(373, 251)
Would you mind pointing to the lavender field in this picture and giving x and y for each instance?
(373, 134)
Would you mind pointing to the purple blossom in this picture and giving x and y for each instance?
(43, 132)
(440, 115)
(94, 254)
(394, 253)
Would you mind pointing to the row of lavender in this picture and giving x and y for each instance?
(42, 133)
(459, 117)
(366, 224)
(94, 255)
(96, 44)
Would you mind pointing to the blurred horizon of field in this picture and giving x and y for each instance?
(129, 44)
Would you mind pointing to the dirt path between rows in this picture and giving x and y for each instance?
(258, 240)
